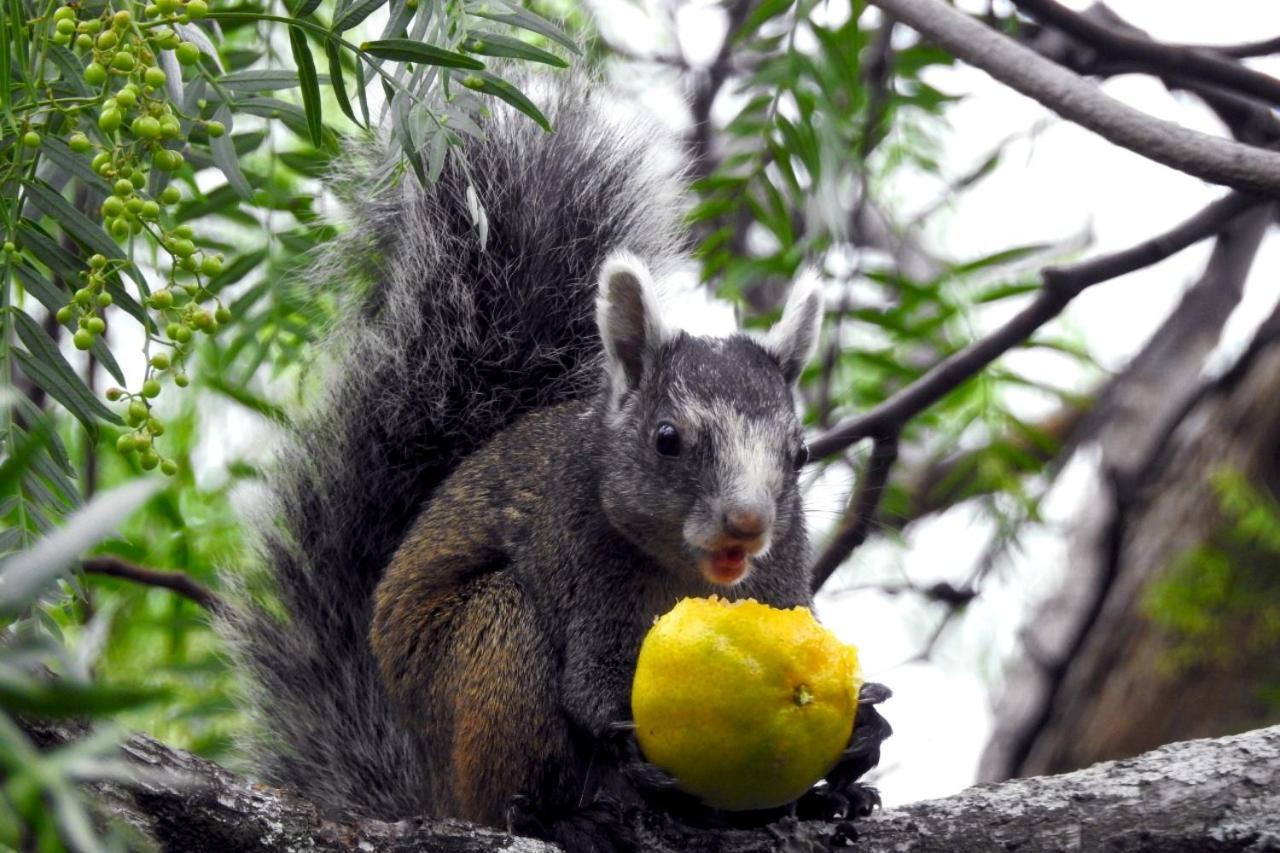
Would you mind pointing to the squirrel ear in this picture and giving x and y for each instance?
(628, 317)
(794, 338)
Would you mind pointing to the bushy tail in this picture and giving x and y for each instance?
(449, 343)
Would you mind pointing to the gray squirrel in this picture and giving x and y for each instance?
(515, 465)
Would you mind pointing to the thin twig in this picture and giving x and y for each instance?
(1061, 285)
(178, 582)
(861, 514)
(1208, 157)
(1210, 67)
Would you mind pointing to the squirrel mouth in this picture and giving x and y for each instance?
(725, 566)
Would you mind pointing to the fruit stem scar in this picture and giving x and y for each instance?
(802, 695)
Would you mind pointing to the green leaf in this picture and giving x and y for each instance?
(491, 84)
(523, 19)
(335, 79)
(62, 698)
(302, 8)
(57, 151)
(259, 80)
(355, 13)
(85, 231)
(492, 44)
(224, 155)
(766, 11)
(55, 375)
(310, 85)
(408, 50)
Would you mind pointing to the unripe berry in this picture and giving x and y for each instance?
(31, 139)
(124, 444)
(112, 206)
(197, 9)
(108, 40)
(187, 53)
(222, 314)
(83, 298)
(215, 128)
(84, 41)
(184, 334)
(109, 121)
(124, 61)
(150, 210)
(184, 231)
(114, 394)
(170, 127)
(96, 325)
(168, 467)
(171, 331)
(101, 160)
(181, 380)
(134, 205)
(149, 460)
(65, 313)
(66, 27)
(79, 143)
(146, 127)
(95, 74)
(120, 229)
(83, 339)
(63, 13)
(160, 361)
(211, 265)
(62, 39)
(125, 99)
(123, 187)
(105, 299)
(151, 10)
(121, 19)
(190, 264)
(154, 76)
(151, 388)
(155, 426)
(182, 248)
(163, 299)
(171, 195)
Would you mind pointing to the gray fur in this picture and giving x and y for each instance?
(444, 348)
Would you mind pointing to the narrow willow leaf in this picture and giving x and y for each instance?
(41, 346)
(259, 80)
(766, 11)
(57, 151)
(310, 85)
(65, 387)
(335, 79)
(224, 155)
(85, 231)
(72, 70)
(492, 44)
(47, 251)
(53, 298)
(355, 13)
(491, 84)
(407, 50)
(523, 19)
(303, 8)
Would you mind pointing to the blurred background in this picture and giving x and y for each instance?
(1077, 555)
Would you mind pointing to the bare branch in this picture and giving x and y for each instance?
(861, 515)
(1061, 285)
(1208, 157)
(1188, 62)
(178, 582)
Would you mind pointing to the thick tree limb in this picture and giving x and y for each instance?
(1221, 795)
(178, 582)
(1208, 157)
(1203, 65)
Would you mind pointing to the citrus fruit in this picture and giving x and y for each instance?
(744, 704)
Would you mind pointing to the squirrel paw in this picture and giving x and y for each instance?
(598, 827)
(843, 795)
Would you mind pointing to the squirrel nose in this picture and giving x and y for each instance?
(745, 523)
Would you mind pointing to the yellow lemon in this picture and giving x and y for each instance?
(744, 704)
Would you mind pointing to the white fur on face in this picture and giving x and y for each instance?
(794, 338)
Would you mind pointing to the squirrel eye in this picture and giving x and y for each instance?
(802, 457)
(667, 441)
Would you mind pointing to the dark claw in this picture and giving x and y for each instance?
(595, 828)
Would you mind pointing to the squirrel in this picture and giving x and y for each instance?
(516, 462)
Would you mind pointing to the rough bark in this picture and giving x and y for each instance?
(1211, 795)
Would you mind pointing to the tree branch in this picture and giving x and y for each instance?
(1060, 286)
(1221, 794)
(858, 520)
(1208, 157)
(179, 582)
(1210, 67)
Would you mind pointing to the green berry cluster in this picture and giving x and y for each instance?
(140, 130)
